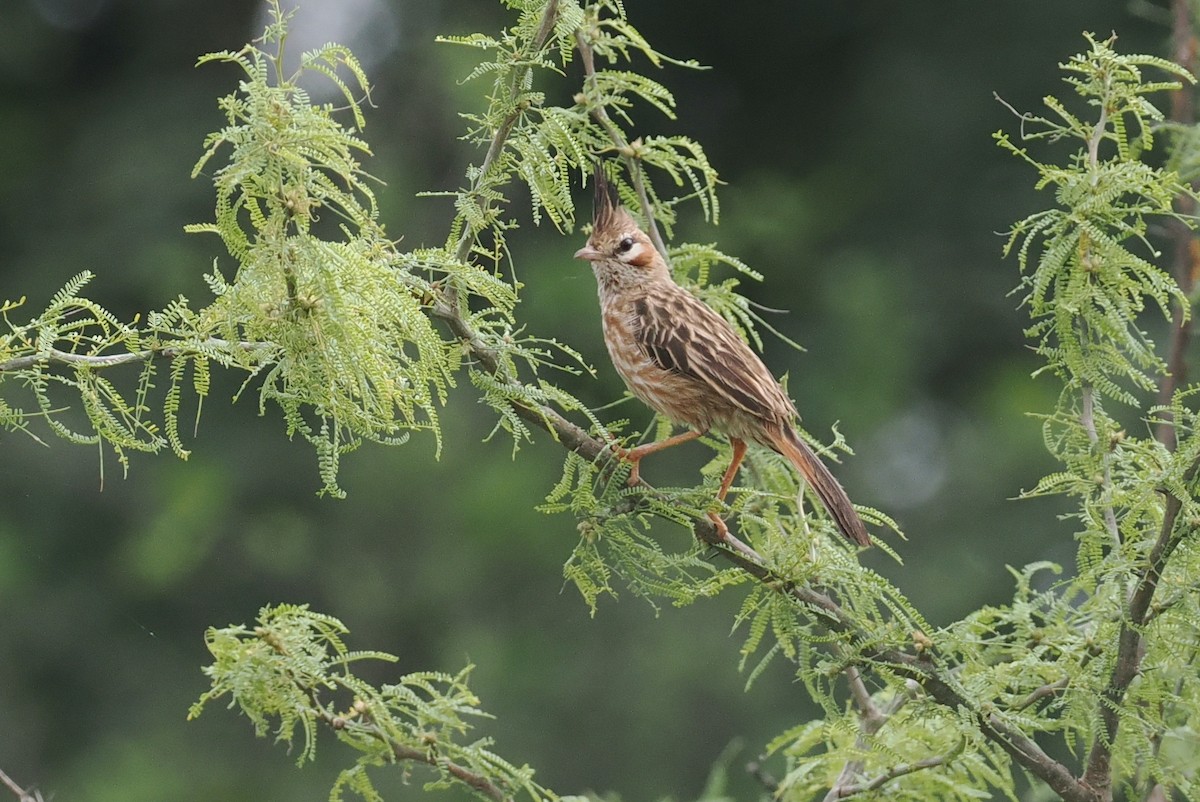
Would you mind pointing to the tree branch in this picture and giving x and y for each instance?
(477, 781)
(888, 776)
(1129, 646)
(404, 752)
(1037, 694)
(1023, 749)
(467, 240)
(871, 720)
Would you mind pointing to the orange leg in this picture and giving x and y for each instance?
(634, 455)
(739, 453)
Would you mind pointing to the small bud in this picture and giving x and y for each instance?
(921, 641)
(588, 531)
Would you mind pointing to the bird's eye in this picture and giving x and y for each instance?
(624, 245)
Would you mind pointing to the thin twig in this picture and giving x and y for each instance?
(869, 713)
(1087, 417)
(21, 793)
(100, 361)
(755, 769)
(889, 775)
(1037, 694)
(403, 751)
(600, 115)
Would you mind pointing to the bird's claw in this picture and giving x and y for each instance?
(634, 473)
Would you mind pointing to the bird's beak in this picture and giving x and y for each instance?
(587, 252)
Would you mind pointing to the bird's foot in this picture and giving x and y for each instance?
(635, 462)
(634, 473)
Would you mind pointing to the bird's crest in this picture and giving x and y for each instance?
(607, 203)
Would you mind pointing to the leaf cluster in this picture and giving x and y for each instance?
(1087, 266)
(72, 348)
(293, 672)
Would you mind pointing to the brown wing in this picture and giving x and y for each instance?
(681, 334)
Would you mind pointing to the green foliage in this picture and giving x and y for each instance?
(354, 355)
(909, 710)
(1092, 280)
(71, 326)
(293, 672)
(330, 321)
(1042, 663)
(1086, 294)
(1089, 282)
(72, 348)
(616, 537)
(357, 341)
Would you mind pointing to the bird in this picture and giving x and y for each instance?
(686, 362)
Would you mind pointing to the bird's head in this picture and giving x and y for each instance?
(620, 252)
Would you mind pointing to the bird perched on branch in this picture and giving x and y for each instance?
(686, 362)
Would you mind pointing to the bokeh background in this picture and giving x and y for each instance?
(855, 138)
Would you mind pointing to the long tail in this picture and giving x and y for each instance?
(821, 480)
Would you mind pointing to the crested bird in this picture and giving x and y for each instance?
(687, 363)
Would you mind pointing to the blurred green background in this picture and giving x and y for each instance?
(855, 138)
